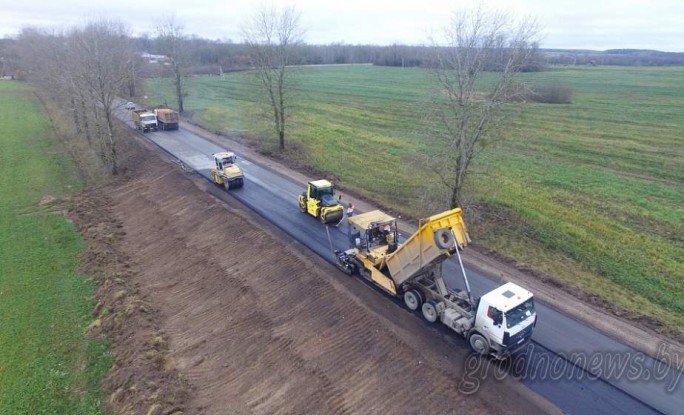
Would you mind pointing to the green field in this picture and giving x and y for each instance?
(591, 192)
(47, 364)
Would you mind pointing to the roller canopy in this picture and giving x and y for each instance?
(365, 220)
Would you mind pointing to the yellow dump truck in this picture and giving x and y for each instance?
(225, 171)
(498, 323)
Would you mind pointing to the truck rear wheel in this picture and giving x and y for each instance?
(479, 344)
(430, 311)
(413, 300)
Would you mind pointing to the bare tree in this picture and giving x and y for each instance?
(475, 65)
(272, 37)
(83, 69)
(171, 42)
(49, 61)
(102, 51)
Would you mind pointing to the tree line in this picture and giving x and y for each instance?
(617, 57)
(210, 57)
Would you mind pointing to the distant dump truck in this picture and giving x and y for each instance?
(145, 120)
(498, 323)
(167, 119)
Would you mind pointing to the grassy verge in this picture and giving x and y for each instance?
(590, 192)
(48, 365)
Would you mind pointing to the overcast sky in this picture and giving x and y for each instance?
(578, 24)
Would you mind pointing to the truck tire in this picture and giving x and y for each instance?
(444, 238)
(430, 311)
(302, 204)
(479, 344)
(413, 299)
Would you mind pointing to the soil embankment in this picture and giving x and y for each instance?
(211, 312)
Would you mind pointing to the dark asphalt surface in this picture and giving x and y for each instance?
(609, 377)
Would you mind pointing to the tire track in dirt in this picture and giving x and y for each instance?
(255, 327)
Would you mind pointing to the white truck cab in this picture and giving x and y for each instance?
(505, 318)
(145, 120)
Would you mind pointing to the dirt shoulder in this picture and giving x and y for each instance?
(632, 329)
(213, 311)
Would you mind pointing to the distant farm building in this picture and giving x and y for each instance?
(163, 59)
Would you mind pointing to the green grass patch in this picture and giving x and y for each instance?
(48, 365)
(593, 191)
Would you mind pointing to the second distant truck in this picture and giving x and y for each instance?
(167, 119)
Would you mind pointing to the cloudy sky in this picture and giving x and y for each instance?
(578, 24)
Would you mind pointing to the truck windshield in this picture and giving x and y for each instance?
(519, 313)
(148, 118)
(227, 161)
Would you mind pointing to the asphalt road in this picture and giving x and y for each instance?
(609, 377)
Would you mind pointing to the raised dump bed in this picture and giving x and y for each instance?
(433, 242)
